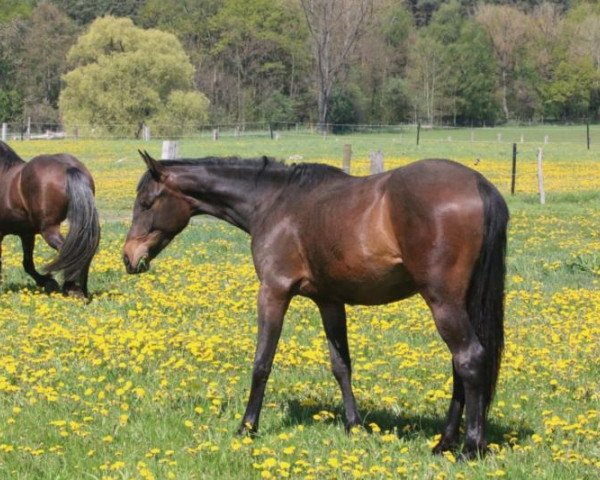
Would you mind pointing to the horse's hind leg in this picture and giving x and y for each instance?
(449, 440)
(46, 281)
(53, 236)
(76, 280)
(334, 322)
(468, 356)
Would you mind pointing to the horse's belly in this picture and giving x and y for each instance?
(366, 286)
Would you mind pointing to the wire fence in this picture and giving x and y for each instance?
(581, 134)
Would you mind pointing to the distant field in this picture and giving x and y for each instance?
(150, 379)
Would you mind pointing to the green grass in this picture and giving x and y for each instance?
(185, 334)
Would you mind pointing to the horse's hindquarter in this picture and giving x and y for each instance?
(44, 181)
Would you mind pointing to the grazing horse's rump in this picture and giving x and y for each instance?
(36, 197)
(434, 227)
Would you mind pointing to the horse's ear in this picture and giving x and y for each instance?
(154, 167)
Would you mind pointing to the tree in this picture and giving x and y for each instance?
(122, 76)
(382, 56)
(182, 113)
(426, 77)
(469, 83)
(245, 53)
(507, 27)
(85, 11)
(335, 27)
(9, 9)
(48, 36)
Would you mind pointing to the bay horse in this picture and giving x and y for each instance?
(36, 197)
(433, 227)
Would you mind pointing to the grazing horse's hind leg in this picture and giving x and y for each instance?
(272, 305)
(55, 239)
(46, 281)
(334, 322)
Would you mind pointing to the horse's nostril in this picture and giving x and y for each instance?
(126, 261)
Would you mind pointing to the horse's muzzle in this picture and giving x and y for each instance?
(143, 265)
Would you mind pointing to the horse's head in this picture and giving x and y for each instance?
(160, 212)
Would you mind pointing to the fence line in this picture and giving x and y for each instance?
(406, 133)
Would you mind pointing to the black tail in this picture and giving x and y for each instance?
(83, 238)
(485, 303)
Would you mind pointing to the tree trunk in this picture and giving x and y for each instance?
(504, 94)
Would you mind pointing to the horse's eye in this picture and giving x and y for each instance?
(146, 203)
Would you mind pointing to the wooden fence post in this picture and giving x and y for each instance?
(170, 149)
(514, 170)
(4, 132)
(376, 162)
(418, 132)
(146, 133)
(540, 175)
(347, 158)
(588, 132)
(215, 135)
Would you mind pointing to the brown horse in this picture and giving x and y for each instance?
(433, 227)
(36, 197)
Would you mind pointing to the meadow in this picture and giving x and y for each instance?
(149, 379)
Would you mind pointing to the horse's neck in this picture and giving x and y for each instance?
(225, 193)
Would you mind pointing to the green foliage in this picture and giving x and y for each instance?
(9, 9)
(183, 112)
(10, 104)
(344, 108)
(278, 108)
(397, 101)
(122, 75)
(85, 11)
(48, 36)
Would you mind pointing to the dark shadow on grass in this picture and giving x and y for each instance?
(19, 288)
(407, 427)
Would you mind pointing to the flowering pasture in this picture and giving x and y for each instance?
(150, 378)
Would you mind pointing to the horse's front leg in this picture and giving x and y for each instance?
(272, 305)
(334, 322)
(45, 281)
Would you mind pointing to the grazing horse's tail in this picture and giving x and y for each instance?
(485, 301)
(83, 238)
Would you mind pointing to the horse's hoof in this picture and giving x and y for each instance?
(75, 293)
(472, 452)
(444, 446)
(51, 286)
(247, 430)
(353, 427)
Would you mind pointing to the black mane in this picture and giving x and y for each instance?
(8, 157)
(301, 174)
